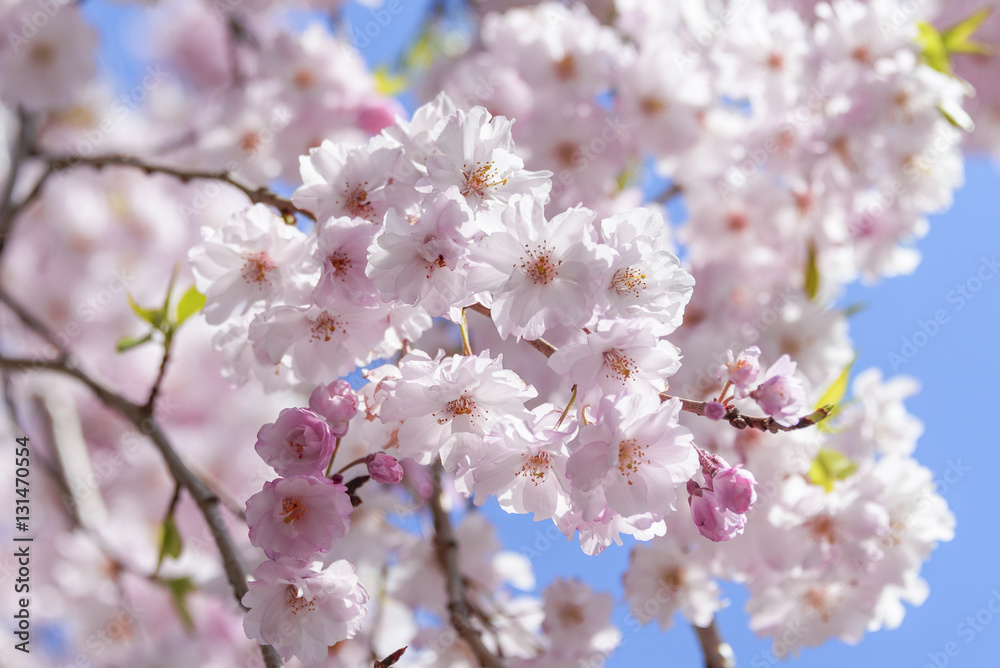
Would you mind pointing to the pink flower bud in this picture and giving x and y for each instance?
(712, 523)
(715, 411)
(298, 442)
(734, 489)
(337, 402)
(384, 468)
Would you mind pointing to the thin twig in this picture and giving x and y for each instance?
(717, 652)
(260, 195)
(541, 345)
(22, 148)
(446, 549)
(673, 191)
(734, 417)
(33, 323)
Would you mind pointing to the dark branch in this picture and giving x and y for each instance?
(446, 549)
(737, 419)
(717, 652)
(260, 195)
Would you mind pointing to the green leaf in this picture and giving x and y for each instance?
(387, 83)
(179, 588)
(934, 52)
(956, 38)
(153, 317)
(835, 393)
(191, 302)
(811, 283)
(830, 466)
(130, 342)
(170, 541)
(421, 55)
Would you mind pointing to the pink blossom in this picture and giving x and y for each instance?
(781, 395)
(302, 611)
(744, 369)
(384, 468)
(735, 489)
(337, 402)
(712, 523)
(299, 441)
(299, 516)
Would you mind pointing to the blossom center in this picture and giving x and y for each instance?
(652, 105)
(631, 456)
(538, 265)
(293, 509)
(816, 599)
(536, 467)
(571, 615)
(340, 263)
(256, 268)
(42, 54)
(619, 365)
(325, 326)
(356, 201)
(297, 602)
(673, 579)
(479, 179)
(629, 281)
(823, 527)
(566, 68)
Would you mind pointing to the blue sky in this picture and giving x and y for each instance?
(956, 363)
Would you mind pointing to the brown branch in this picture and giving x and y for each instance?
(22, 147)
(446, 549)
(734, 417)
(141, 417)
(717, 652)
(541, 345)
(673, 191)
(260, 195)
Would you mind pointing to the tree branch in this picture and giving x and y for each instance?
(740, 421)
(22, 147)
(142, 418)
(541, 345)
(446, 549)
(717, 652)
(260, 195)
(733, 415)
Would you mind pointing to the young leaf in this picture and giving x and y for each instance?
(956, 38)
(191, 302)
(153, 317)
(387, 83)
(170, 541)
(130, 342)
(830, 466)
(179, 588)
(934, 52)
(811, 284)
(835, 393)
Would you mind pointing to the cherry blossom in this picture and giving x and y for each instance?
(302, 611)
(299, 516)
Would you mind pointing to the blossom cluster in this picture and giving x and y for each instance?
(491, 251)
